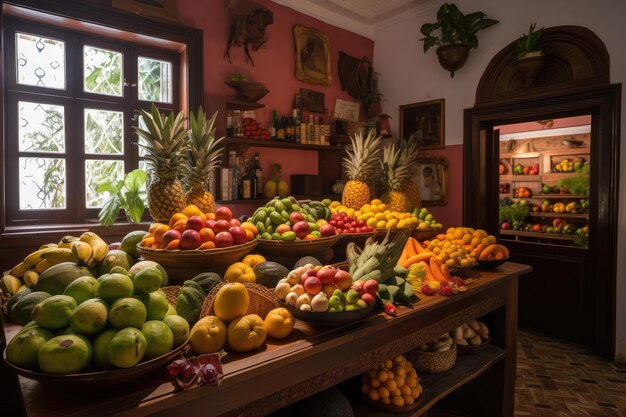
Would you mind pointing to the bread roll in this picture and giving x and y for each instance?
(474, 325)
(468, 333)
(483, 327)
(474, 341)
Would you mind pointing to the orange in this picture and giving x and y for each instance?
(415, 393)
(180, 225)
(251, 227)
(399, 381)
(208, 335)
(246, 333)
(383, 392)
(249, 235)
(193, 210)
(410, 382)
(153, 227)
(373, 395)
(207, 245)
(408, 400)
(231, 301)
(386, 401)
(206, 234)
(279, 322)
(176, 217)
(391, 385)
(405, 390)
(375, 382)
(382, 376)
(146, 242)
(210, 216)
(174, 244)
(240, 272)
(397, 401)
(159, 232)
(253, 259)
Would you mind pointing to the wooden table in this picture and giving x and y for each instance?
(312, 359)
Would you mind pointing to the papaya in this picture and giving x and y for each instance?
(22, 350)
(130, 241)
(65, 354)
(126, 348)
(55, 279)
(114, 286)
(90, 317)
(145, 264)
(113, 258)
(15, 298)
(269, 273)
(207, 280)
(147, 280)
(82, 289)
(54, 312)
(194, 284)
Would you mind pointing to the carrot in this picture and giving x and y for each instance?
(424, 256)
(403, 256)
(435, 267)
(410, 248)
(429, 272)
(418, 247)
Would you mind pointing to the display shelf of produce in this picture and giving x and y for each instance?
(524, 178)
(282, 145)
(241, 105)
(436, 386)
(570, 151)
(538, 235)
(559, 175)
(560, 215)
(506, 177)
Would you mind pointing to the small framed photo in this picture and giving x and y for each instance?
(312, 55)
(425, 122)
(162, 9)
(432, 180)
(313, 99)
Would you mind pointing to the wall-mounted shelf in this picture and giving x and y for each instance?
(281, 145)
(539, 235)
(560, 215)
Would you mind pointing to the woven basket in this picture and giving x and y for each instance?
(432, 362)
(172, 294)
(262, 300)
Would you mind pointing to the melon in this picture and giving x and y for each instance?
(21, 312)
(269, 273)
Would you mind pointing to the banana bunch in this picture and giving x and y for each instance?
(88, 249)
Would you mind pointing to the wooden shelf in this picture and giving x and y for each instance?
(538, 235)
(506, 177)
(560, 215)
(525, 178)
(562, 196)
(283, 145)
(569, 151)
(437, 386)
(509, 155)
(241, 105)
(261, 201)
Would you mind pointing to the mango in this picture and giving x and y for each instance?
(100, 350)
(82, 288)
(156, 304)
(179, 328)
(126, 348)
(127, 312)
(147, 280)
(66, 354)
(90, 317)
(54, 312)
(22, 350)
(114, 286)
(159, 338)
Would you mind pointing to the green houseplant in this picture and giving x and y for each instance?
(125, 194)
(455, 34)
(530, 56)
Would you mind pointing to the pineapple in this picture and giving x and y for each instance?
(361, 168)
(399, 165)
(204, 157)
(166, 146)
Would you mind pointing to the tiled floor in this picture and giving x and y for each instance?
(557, 379)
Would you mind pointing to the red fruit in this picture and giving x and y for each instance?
(170, 235)
(312, 272)
(327, 230)
(223, 239)
(458, 281)
(369, 298)
(190, 239)
(210, 223)
(343, 280)
(303, 278)
(195, 223)
(223, 213)
(427, 290)
(371, 286)
(221, 226)
(312, 285)
(358, 287)
(301, 229)
(295, 217)
(206, 234)
(390, 309)
(445, 290)
(282, 228)
(239, 235)
(235, 222)
(326, 275)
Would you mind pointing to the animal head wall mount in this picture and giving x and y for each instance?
(247, 27)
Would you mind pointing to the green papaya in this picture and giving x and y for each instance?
(55, 279)
(114, 258)
(54, 312)
(22, 350)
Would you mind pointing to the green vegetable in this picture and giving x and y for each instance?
(124, 194)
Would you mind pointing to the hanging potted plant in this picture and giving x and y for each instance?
(455, 34)
(530, 57)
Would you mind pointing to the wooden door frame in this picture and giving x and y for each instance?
(480, 182)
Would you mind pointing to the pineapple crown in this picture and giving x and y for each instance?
(409, 153)
(361, 161)
(204, 153)
(166, 143)
(395, 171)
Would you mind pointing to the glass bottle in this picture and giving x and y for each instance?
(280, 130)
(248, 191)
(273, 124)
(259, 174)
(237, 124)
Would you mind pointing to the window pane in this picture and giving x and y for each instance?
(40, 61)
(41, 127)
(103, 132)
(42, 183)
(97, 172)
(102, 71)
(155, 80)
(144, 167)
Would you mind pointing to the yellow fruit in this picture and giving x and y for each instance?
(208, 335)
(382, 376)
(253, 259)
(231, 301)
(381, 224)
(405, 390)
(415, 392)
(246, 333)
(410, 381)
(279, 322)
(391, 385)
(408, 400)
(399, 380)
(375, 382)
(240, 272)
(383, 392)
(373, 395)
(397, 401)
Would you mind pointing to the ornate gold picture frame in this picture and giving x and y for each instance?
(312, 55)
(425, 122)
(432, 180)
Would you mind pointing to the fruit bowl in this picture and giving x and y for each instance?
(392, 408)
(491, 264)
(98, 380)
(287, 253)
(329, 319)
(424, 234)
(185, 264)
(380, 233)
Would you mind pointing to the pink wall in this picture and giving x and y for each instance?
(452, 213)
(274, 67)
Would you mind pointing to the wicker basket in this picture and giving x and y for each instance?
(433, 362)
(172, 294)
(262, 300)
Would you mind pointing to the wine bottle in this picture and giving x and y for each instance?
(259, 174)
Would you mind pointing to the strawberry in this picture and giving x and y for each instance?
(390, 309)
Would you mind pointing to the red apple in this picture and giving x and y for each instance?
(327, 230)
(343, 280)
(526, 170)
(368, 298)
(303, 278)
(312, 272)
(301, 229)
(235, 222)
(195, 223)
(295, 217)
(239, 235)
(328, 290)
(223, 213)
(312, 285)
(223, 239)
(358, 287)
(326, 275)
(170, 235)
(371, 286)
(210, 223)
(282, 228)
(221, 226)
(190, 239)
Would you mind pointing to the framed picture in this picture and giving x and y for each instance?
(162, 9)
(432, 180)
(425, 122)
(312, 55)
(314, 100)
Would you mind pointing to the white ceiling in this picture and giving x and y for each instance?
(359, 16)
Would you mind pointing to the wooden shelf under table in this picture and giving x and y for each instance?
(309, 360)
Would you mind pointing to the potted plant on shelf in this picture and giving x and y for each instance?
(530, 57)
(455, 34)
(124, 194)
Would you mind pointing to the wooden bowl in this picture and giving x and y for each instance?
(248, 91)
(288, 253)
(471, 350)
(392, 408)
(339, 248)
(329, 319)
(182, 265)
(98, 380)
(424, 234)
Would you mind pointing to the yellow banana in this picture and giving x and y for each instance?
(10, 284)
(58, 255)
(99, 247)
(66, 241)
(48, 245)
(82, 251)
(31, 260)
(30, 278)
(18, 270)
(42, 266)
